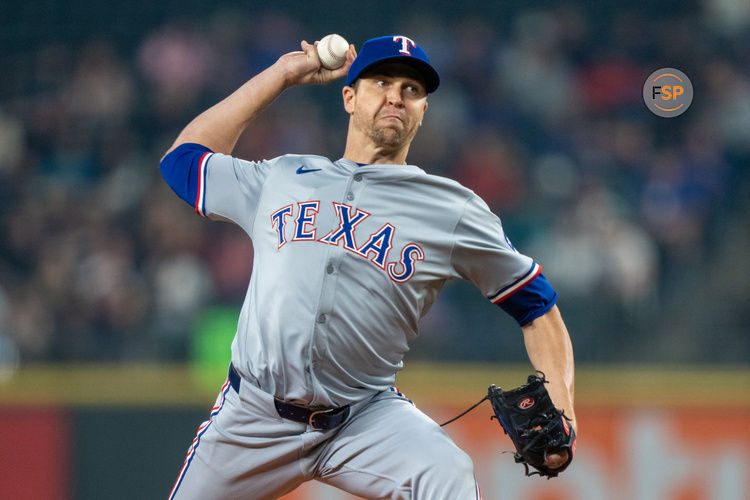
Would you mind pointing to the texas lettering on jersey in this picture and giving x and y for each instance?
(375, 249)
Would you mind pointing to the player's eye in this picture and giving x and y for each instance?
(414, 90)
(380, 83)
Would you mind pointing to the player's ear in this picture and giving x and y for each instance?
(423, 112)
(349, 95)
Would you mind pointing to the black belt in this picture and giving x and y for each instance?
(321, 419)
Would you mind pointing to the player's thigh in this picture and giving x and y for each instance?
(390, 449)
(245, 451)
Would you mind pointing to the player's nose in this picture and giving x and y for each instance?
(395, 95)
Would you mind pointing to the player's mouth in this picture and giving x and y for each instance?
(392, 117)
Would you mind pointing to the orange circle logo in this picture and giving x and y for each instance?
(668, 92)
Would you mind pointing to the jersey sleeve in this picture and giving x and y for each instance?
(215, 183)
(181, 169)
(484, 256)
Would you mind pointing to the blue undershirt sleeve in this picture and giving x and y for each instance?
(181, 169)
(530, 302)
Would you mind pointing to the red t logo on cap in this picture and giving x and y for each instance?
(405, 41)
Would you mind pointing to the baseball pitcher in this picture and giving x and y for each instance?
(349, 254)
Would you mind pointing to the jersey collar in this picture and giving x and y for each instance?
(380, 170)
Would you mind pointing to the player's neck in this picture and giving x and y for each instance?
(367, 152)
(375, 159)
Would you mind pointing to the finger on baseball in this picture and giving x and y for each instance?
(307, 48)
(343, 70)
(311, 52)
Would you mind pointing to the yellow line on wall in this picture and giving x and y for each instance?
(426, 383)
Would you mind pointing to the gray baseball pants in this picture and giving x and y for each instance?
(386, 449)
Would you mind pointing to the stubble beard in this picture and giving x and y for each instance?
(388, 138)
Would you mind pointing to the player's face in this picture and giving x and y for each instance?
(388, 105)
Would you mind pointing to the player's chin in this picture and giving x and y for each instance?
(391, 127)
(389, 136)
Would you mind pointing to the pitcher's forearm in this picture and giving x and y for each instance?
(550, 351)
(219, 127)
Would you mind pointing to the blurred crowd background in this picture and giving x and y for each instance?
(641, 223)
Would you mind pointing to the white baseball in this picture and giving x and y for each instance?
(332, 51)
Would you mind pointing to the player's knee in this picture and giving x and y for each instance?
(459, 465)
(446, 476)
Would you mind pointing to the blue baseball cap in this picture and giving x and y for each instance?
(394, 48)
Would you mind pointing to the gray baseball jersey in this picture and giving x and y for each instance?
(347, 259)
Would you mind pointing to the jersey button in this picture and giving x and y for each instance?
(358, 177)
(350, 196)
(322, 318)
(329, 269)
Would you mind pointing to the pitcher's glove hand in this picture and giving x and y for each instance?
(534, 425)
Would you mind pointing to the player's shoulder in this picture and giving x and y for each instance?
(450, 187)
(471, 205)
(296, 160)
(287, 159)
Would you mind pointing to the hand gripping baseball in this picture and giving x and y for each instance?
(303, 67)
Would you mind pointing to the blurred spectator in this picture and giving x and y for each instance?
(11, 143)
(492, 167)
(728, 94)
(101, 89)
(230, 262)
(182, 289)
(30, 324)
(534, 70)
(671, 205)
(593, 249)
(177, 62)
(8, 351)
